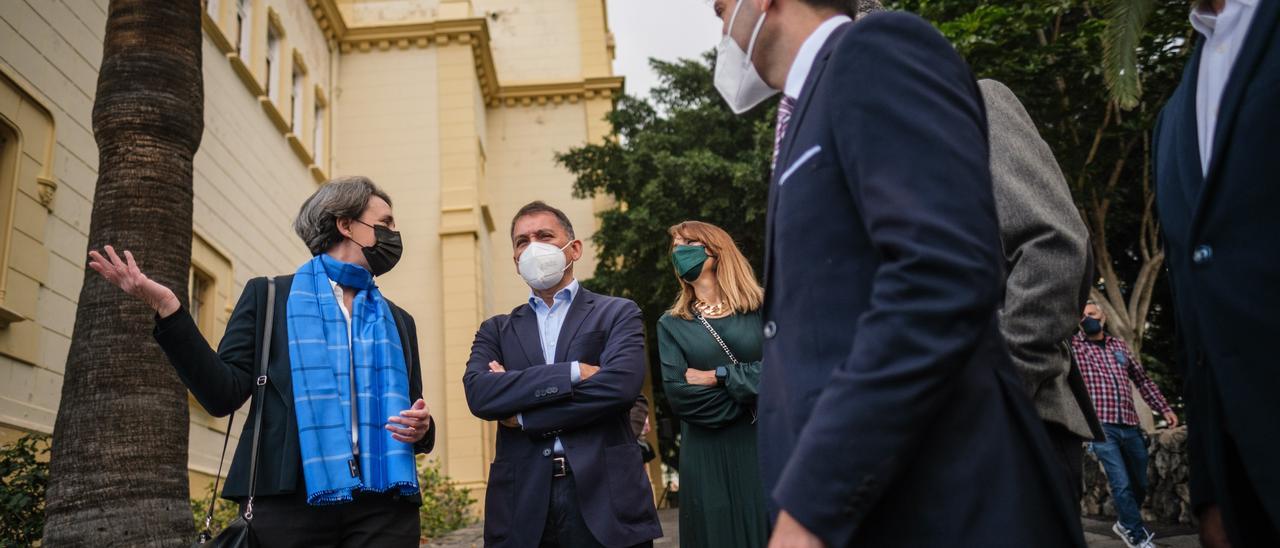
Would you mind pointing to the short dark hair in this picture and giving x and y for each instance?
(340, 198)
(536, 207)
(847, 7)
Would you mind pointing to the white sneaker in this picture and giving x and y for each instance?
(1149, 541)
(1123, 532)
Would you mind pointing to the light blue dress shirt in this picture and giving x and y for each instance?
(550, 320)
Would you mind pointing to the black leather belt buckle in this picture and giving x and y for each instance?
(559, 468)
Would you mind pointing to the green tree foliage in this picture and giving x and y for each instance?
(679, 155)
(24, 473)
(1051, 53)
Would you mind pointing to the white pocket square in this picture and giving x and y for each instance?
(808, 155)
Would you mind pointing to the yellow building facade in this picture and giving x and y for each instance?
(454, 107)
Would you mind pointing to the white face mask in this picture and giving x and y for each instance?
(542, 265)
(736, 77)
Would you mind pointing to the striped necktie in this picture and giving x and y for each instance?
(785, 108)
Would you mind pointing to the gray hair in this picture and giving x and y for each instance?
(340, 198)
(863, 8)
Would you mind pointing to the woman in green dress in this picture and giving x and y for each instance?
(710, 347)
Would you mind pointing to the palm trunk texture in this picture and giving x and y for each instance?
(119, 458)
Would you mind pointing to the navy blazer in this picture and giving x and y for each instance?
(221, 381)
(1224, 262)
(591, 420)
(890, 414)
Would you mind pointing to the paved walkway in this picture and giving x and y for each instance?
(1096, 532)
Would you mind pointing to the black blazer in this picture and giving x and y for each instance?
(221, 381)
(1224, 262)
(592, 420)
(890, 414)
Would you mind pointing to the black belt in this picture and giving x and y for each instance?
(560, 467)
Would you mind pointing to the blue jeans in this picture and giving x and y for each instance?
(1124, 459)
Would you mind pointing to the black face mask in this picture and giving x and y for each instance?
(383, 255)
(1091, 326)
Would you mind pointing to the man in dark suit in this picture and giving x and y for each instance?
(1216, 161)
(561, 374)
(890, 414)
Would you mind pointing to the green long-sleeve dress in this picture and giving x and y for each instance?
(721, 498)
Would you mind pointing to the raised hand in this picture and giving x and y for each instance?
(412, 424)
(125, 275)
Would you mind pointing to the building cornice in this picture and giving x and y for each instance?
(473, 32)
(328, 18)
(542, 93)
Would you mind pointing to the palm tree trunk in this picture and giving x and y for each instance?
(119, 458)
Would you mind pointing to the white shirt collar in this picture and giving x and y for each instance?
(808, 53)
(1205, 20)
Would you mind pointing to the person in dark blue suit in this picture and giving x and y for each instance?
(890, 413)
(1216, 163)
(561, 373)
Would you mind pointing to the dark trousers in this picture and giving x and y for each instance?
(1069, 448)
(1216, 455)
(565, 527)
(370, 520)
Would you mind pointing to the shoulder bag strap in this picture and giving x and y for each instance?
(723, 346)
(213, 495)
(727, 352)
(258, 398)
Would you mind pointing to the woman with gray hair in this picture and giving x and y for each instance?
(342, 409)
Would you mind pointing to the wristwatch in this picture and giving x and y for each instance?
(722, 374)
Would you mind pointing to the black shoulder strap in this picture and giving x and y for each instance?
(257, 397)
(261, 384)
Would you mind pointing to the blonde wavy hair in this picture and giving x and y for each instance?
(734, 276)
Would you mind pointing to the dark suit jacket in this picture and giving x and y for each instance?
(890, 414)
(591, 420)
(221, 381)
(1224, 262)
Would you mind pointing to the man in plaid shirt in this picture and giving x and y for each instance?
(1107, 365)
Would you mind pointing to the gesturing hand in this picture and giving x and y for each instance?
(415, 422)
(125, 275)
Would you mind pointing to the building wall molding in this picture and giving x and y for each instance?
(471, 32)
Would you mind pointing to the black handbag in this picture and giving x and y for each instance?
(239, 533)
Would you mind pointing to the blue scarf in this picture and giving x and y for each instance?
(321, 365)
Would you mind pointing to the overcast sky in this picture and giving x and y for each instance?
(665, 29)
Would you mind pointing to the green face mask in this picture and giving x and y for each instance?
(688, 260)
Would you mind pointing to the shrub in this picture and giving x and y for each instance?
(223, 514)
(24, 474)
(445, 507)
